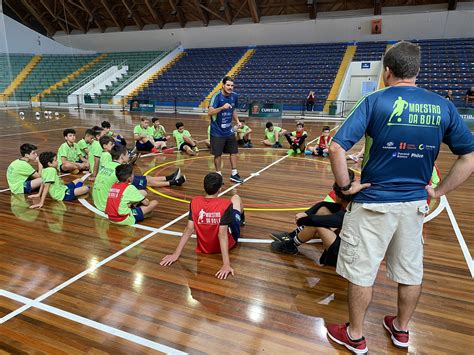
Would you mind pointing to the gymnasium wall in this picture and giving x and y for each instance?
(17, 38)
(432, 21)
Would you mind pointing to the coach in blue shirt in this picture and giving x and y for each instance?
(404, 127)
(222, 109)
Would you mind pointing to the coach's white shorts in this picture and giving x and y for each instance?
(372, 231)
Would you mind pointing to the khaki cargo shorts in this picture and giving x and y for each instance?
(372, 231)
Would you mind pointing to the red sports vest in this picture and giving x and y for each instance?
(323, 143)
(207, 214)
(113, 202)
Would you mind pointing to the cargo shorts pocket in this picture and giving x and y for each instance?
(350, 239)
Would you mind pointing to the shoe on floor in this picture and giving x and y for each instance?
(275, 145)
(338, 334)
(175, 175)
(134, 158)
(154, 150)
(280, 236)
(236, 178)
(399, 337)
(286, 247)
(178, 182)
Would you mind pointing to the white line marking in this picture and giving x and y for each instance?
(462, 242)
(441, 206)
(93, 324)
(34, 132)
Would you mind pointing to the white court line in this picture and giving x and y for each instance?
(462, 242)
(34, 132)
(441, 206)
(120, 252)
(93, 324)
(241, 240)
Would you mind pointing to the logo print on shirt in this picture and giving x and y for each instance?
(399, 106)
(209, 217)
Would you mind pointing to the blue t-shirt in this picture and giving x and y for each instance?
(221, 123)
(404, 127)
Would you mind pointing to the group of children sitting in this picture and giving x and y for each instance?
(121, 195)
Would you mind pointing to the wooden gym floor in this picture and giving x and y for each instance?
(70, 282)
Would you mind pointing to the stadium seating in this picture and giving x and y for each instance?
(287, 73)
(50, 70)
(369, 51)
(135, 62)
(193, 76)
(10, 66)
(447, 64)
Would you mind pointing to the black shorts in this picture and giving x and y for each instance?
(329, 256)
(226, 145)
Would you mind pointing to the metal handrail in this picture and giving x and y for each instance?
(99, 71)
(141, 71)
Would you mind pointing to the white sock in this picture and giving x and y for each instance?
(234, 172)
(219, 173)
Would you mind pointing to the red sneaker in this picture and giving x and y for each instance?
(399, 337)
(338, 333)
(154, 150)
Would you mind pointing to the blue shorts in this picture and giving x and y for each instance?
(61, 167)
(70, 195)
(139, 182)
(235, 226)
(145, 147)
(137, 212)
(27, 187)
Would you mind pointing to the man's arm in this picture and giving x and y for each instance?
(337, 156)
(225, 270)
(236, 117)
(462, 168)
(170, 259)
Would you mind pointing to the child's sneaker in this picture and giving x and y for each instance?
(290, 152)
(353, 157)
(280, 236)
(275, 145)
(325, 155)
(178, 182)
(308, 152)
(154, 150)
(175, 175)
(399, 337)
(298, 151)
(286, 247)
(196, 149)
(338, 333)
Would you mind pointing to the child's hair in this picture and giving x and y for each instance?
(339, 194)
(46, 157)
(105, 140)
(242, 120)
(212, 183)
(117, 151)
(69, 131)
(97, 130)
(89, 132)
(179, 125)
(154, 119)
(123, 172)
(269, 124)
(326, 128)
(105, 124)
(27, 148)
(300, 123)
(144, 118)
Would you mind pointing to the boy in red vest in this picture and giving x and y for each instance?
(126, 204)
(216, 222)
(322, 144)
(296, 139)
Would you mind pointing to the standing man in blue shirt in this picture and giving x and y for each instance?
(404, 127)
(222, 110)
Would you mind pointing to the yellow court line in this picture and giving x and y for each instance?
(247, 208)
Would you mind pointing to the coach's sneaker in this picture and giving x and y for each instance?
(236, 178)
(338, 334)
(286, 247)
(280, 236)
(399, 337)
